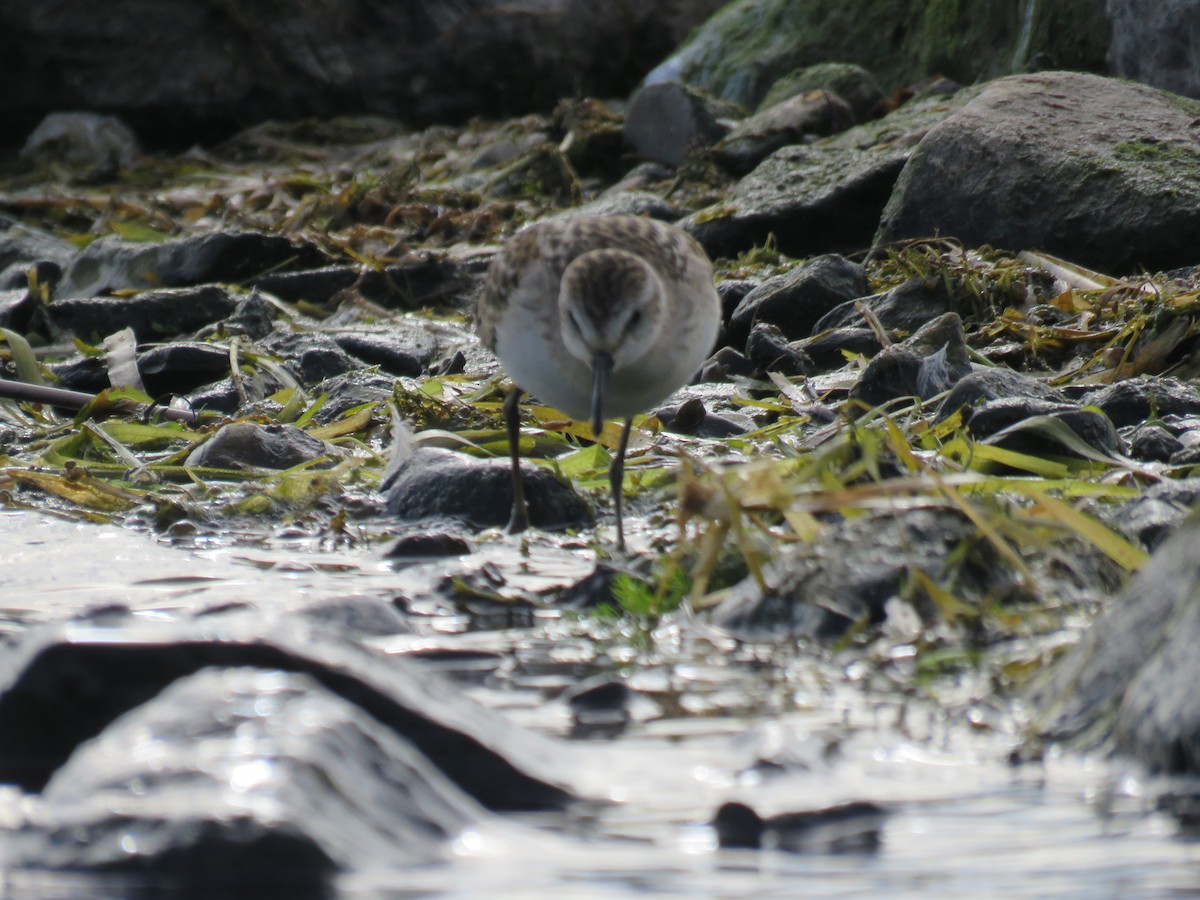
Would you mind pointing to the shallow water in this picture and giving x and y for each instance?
(963, 821)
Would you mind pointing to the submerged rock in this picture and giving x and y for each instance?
(242, 775)
(1100, 171)
(62, 686)
(847, 828)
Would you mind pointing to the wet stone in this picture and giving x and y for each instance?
(769, 350)
(1153, 443)
(353, 389)
(827, 350)
(312, 357)
(797, 301)
(181, 367)
(905, 308)
(440, 484)
(62, 686)
(336, 789)
(926, 364)
(245, 445)
(691, 417)
(847, 828)
(110, 264)
(1134, 400)
(390, 352)
(1151, 517)
(985, 422)
(1130, 683)
(821, 589)
(153, 315)
(987, 384)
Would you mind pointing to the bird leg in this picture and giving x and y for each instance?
(616, 480)
(519, 520)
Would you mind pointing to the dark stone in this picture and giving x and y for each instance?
(429, 280)
(352, 389)
(985, 385)
(928, 363)
(787, 122)
(797, 301)
(312, 356)
(846, 828)
(725, 364)
(1135, 400)
(1099, 171)
(1153, 516)
(152, 315)
(427, 545)
(823, 588)
(692, 418)
(181, 367)
(440, 484)
(87, 374)
(1130, 683)
(594, 589)
(828, 350)
(16, 309)
(1153, 443)
(24, 245)
(600, 707)
(768, 349)
(58, 688)
(254, 318)
(1012, 415)
(336, 791)
(245, 445)
(905, 308)
(666, 122)
(1153, 41)
(390, 352)
(220, 396)
(111, 264)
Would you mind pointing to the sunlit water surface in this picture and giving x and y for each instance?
(964, 822)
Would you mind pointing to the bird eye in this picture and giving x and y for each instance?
(635, 319)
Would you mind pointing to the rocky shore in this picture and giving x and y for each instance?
(953, 408)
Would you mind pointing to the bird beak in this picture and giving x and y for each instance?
(602, 366)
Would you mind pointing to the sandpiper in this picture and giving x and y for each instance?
(599, 317)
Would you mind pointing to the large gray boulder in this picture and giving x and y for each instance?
(1130, 684)
(1101, 171)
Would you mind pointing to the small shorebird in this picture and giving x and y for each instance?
(599, 317)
